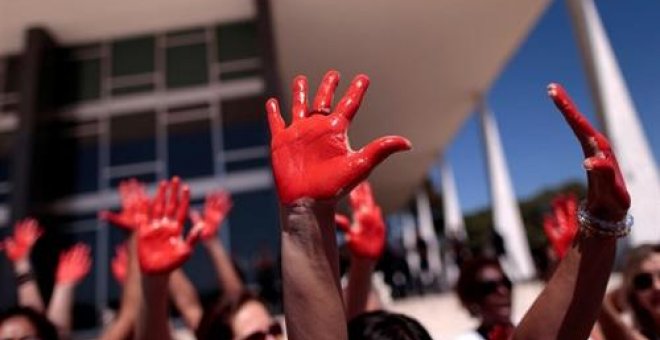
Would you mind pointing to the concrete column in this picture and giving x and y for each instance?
(427, 233)
(454, 223)
(517, 261)
(622, 126)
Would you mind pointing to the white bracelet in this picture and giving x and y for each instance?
(595, 226)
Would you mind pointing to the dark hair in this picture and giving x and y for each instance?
(467, 286)
(633, 263)
(216, 321)
(380, 325)
(45, 329)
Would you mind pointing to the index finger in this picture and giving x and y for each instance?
(576, 120)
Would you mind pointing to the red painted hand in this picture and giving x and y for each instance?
(134, 206)
(26, 234)
(161, 248)
(312, 157)
(119, 264)
(216, 208)
(607, 197)
(74, 264)
(561, 225)
(366, 238)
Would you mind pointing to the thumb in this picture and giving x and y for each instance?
(378, 150)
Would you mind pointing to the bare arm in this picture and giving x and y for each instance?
(611, 324)
(359, 286)
(227, 276)
(74, 265)
(310, 272)
(569, 305)
(185, 298)
(27, 288)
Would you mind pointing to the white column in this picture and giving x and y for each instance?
(507, 221)
(427, 233)
(454, 223)
(618, 114)
(451, 206)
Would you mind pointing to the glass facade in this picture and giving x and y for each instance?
(187, 103)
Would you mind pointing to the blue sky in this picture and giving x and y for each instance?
(541, 150)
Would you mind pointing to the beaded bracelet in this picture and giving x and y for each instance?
(593, 226)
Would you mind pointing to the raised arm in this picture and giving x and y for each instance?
(217, 206)
(569, 305)
(366, 241)
(18, 248)
(314, 166)
(136, 208)
(161, 250)
(74, 265)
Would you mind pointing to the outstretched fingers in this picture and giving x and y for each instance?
(299, 101)
(349, 104)
(275, 120)
(323, 100)
(377, 151)
(581, 127)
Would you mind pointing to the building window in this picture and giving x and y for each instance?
(238, 50)
(189, 142)
(133, 138)
(186, 58)
(133, 65)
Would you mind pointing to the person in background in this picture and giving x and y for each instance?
(639, 294)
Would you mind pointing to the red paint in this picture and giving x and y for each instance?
(161, 247)
(134, 203)
(119, 264)
(216, 208)
(312, 157)
(366, 237)
(561, 225)
(74, 264)
(19, 245)
(608, 196)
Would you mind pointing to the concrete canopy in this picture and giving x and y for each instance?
(428, 61)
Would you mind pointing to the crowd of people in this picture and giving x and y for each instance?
(314, 167)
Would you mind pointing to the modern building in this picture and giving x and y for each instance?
(93, 93)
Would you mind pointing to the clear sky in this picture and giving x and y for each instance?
(540, 148)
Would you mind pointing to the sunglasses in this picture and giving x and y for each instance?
(274, 329)
(644, 281)
(490, 286)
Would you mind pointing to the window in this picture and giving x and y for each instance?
(186, 65)
(238, 50)
(6, 147)
(80, 77)
(244, 123)
(190, 152)
(133, 65)
(133, 138)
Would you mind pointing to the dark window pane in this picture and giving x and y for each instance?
(233, 75)
(251, 233)
(244, 124)
(133, 138)
(190, 149)
(237, 41)
(6, 148)
(85, 78)
(133, 56)
(86, 164)
(186, 65)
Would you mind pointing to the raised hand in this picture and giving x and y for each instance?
(607, 198)
(19, 245)
(119, 264)
(312, 157)
(135, 206)
(74, 264)
(217, 206)
(161, 247)
(366, 238)
(561, 225)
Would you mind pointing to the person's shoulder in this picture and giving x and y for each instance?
(470, 335)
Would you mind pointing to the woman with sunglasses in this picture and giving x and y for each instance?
(639, 293)
(485, 291)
